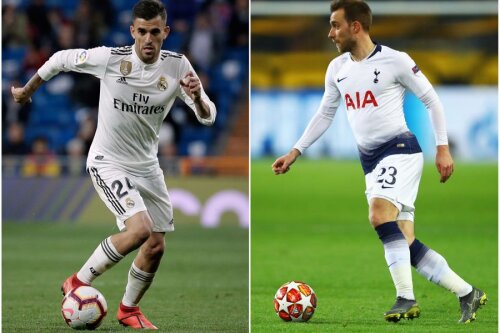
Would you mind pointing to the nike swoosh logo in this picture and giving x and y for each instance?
(383, 186)
(342, 79)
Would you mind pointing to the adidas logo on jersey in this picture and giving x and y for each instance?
(122, 80)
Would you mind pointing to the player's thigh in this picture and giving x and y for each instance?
(117, 191)
(396, 179)
(381, 211)
(157, 201)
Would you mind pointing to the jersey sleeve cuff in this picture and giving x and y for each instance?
(300, 149)
(45, 73)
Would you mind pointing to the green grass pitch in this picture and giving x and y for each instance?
(312, 225)
(201, 286)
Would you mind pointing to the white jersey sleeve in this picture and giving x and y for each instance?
(323, 118)
(436, 113)
(413, 79)
(184, 68)
(410, 75)
(92, 61)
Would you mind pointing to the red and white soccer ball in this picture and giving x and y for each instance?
(295, 301)
(84, 308)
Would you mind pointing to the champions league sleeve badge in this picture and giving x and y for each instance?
(162, 83)
(125, 67)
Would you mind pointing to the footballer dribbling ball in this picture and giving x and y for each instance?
(84, 308)
(295, 301)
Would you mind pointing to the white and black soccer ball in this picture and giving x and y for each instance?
(84, 308)
(295, 301)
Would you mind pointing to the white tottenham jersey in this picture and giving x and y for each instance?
(135, 98)
(373, 92)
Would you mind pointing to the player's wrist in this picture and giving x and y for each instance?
(295, 152)
(28, 91)
(202, 109)
(32, 85)
(442, 148)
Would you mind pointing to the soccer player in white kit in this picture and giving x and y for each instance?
(139, 84)
(371, 79)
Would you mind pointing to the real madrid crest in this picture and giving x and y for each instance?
(129, 202)
(162, 83)
(125, 67)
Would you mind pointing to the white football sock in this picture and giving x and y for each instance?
(397, 256)
(435, 269)
(104, 257)
(138, 282)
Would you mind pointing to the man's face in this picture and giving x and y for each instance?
(341, 32)
(149, 36)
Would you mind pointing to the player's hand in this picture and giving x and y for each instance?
(283, 163)
(444, 162)
(20, 95)
(192, 86)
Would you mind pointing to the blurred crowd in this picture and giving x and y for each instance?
(62, 118)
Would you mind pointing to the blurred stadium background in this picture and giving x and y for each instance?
(455, 44)
(44, 148)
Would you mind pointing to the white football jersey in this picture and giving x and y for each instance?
(135, 98)
(373, 93)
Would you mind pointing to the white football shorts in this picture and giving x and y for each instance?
(125, 195)
(396, 179)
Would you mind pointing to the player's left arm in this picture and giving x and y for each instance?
(192, 92)
(413, 79)
(192, 86)
(444, 161)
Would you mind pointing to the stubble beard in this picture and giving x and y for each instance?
(347, 46)
(149, 57)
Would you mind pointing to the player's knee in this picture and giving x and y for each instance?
(376, 218)
(139, 228)
(154, 250)
(381, 212)
(141, 235)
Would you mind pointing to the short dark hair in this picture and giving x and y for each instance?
(354, 10)
(149, 9)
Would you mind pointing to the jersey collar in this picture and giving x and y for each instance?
(378, 48)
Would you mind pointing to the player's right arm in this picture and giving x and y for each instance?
(23, 95)
(320, 122)
(283, 163)
(92, 61)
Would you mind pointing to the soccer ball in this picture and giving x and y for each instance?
(84, 308)
(295, 301)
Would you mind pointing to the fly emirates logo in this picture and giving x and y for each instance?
(139, 105)
(359, 100)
